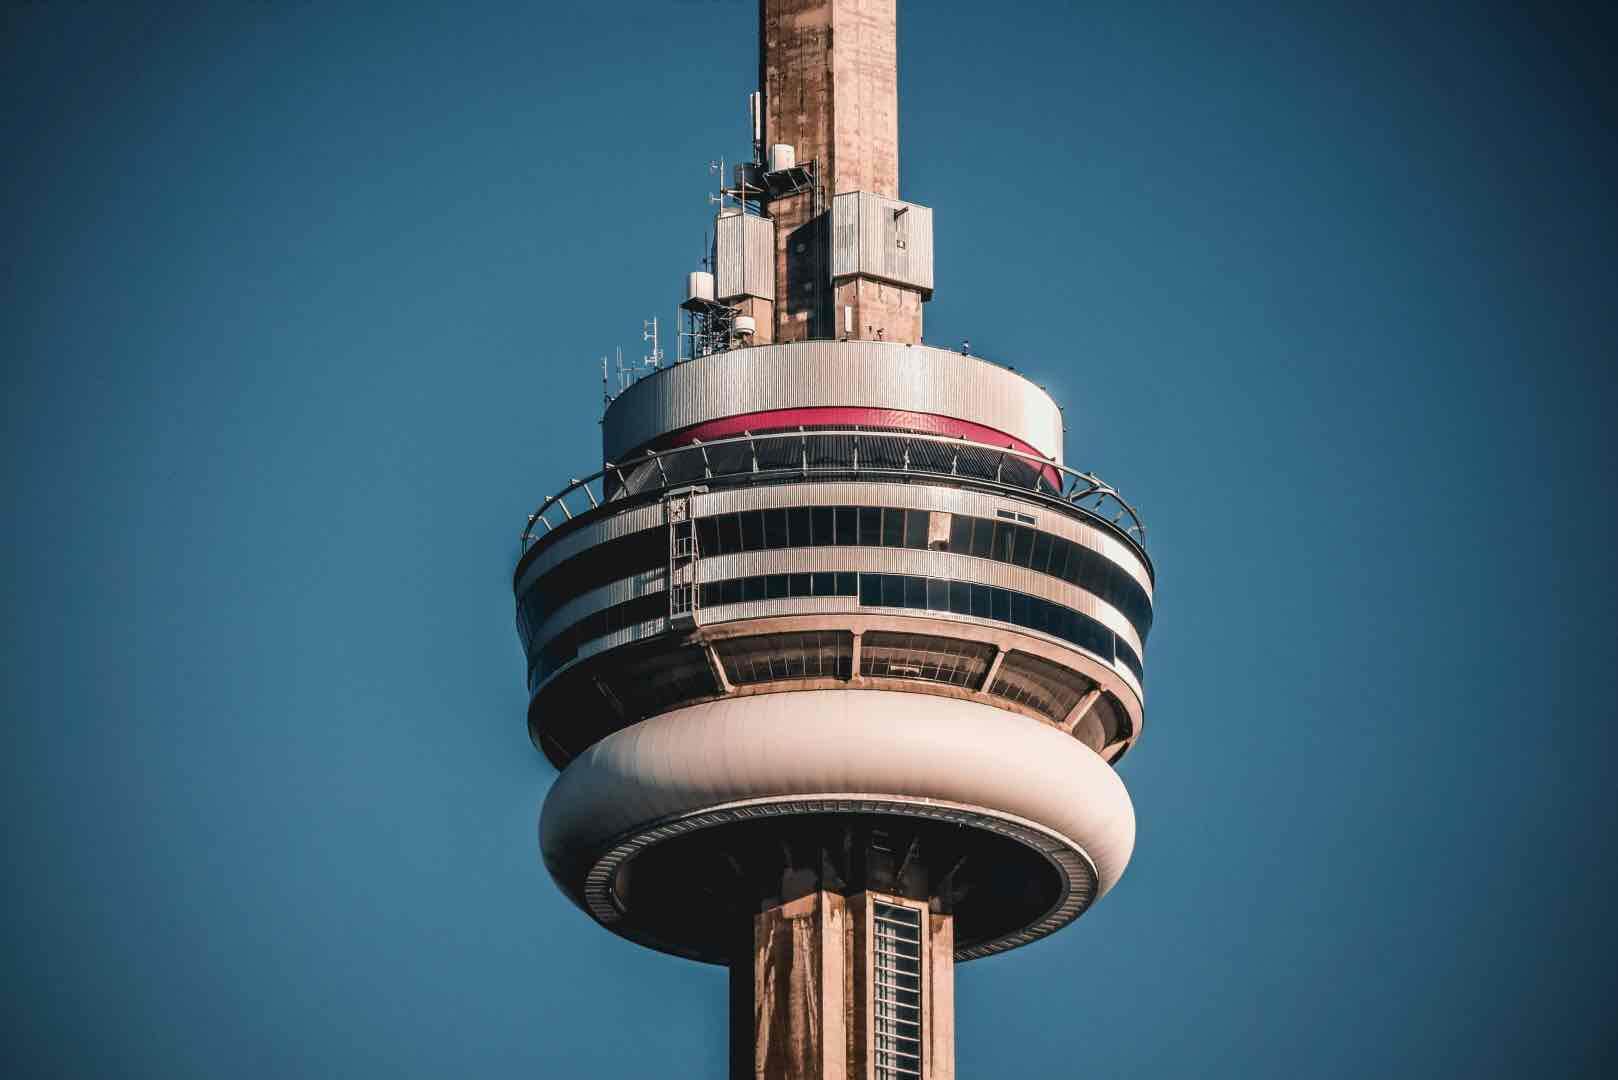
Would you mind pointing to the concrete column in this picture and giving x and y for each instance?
(800, 990)
(829, 71)
(938, 992)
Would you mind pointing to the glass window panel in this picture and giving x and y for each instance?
(1068, 631)
(871, 589)
(752, 530)
(1019, 609)
(915, 592)
(960, 534)
(937, 594)
(825, 584)
(893, 590)
(916, 529)
(960, 598)
(1022, 545)
(1036, 614)
(799, 586)
(983, 537)
(1075, 561)
(1050, 616)
(1090, 568)
(1112, 584)
(798, 534)
(730, 534)
(775, 586)
(893, 527)
(1058, 564)
(1042, 552)
(775, 528)
(847, 584)
(982, 606)
(848, 526)
(731, 591)
(1127, 657)
(1002, 604)
(753, 588)
(870, 526)
(707, 537)
(822, 519)
(1003, 533)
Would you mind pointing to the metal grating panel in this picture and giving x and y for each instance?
(896, 993)
(925, 657)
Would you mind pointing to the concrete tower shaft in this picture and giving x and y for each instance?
(828, 71)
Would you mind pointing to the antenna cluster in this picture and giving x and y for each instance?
(626, 374)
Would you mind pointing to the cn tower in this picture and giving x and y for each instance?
(835, 652)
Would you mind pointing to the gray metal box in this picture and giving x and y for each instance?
(874, 236)
(744, 256)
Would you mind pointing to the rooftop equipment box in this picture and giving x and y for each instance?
(744, 256)
(874, 236)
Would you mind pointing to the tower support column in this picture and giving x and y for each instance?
(845, 988)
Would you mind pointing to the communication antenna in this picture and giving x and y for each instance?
(717, 166)
(755, 111)
(648, 332)
(618, 370)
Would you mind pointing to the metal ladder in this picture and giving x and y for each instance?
(683, 554)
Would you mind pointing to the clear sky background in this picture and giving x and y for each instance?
(302, 311)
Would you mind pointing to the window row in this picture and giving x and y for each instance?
(777, 587)
(812, 526)
(987, 538)
(873, 590)
(820, 526)
(812, 654)
(935, 594)
(613, 560)
(565, 645)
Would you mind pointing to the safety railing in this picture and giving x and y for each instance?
(807, 452)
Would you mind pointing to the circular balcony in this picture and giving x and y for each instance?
(833, 560)
(804, 453)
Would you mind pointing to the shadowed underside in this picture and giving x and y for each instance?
(668, 830)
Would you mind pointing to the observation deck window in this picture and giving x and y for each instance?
(723, 534)
(776, 532)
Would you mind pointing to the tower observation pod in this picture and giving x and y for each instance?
(836, 654)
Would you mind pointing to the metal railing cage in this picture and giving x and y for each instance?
(843, 453)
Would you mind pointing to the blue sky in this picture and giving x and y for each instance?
(302, 311)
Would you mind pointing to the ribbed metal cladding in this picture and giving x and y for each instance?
(874, 236)
(744, 256)
(809, 374)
